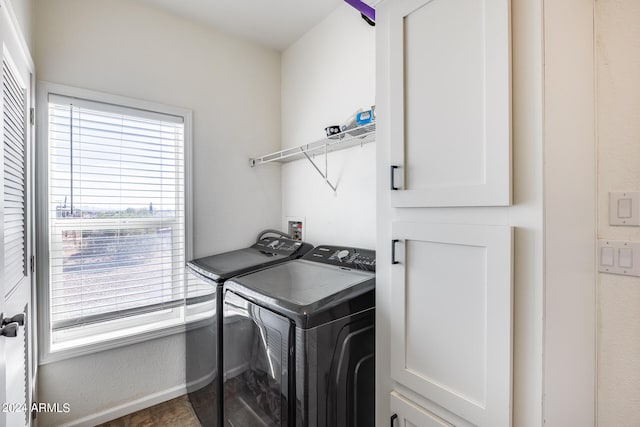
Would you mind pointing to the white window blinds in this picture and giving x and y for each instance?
(14, 123)
(116, 211)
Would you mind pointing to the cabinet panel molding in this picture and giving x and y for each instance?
(451, 317)
(411, 415)
(450, 99)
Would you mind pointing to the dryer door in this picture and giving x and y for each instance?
(256, 348)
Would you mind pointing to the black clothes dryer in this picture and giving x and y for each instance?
(204, 341)
(305, 356)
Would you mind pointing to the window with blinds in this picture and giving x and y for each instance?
(116, 209)
(14, 123)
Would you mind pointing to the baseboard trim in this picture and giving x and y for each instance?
(129, 407)
(197, 384)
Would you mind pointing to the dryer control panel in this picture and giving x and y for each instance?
(279, 245)
(342, 256)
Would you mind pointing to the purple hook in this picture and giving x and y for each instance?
(363, 8)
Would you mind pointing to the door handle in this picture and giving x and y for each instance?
(393, 418)
(10, 330)
(393, 177)
(9, 325)
(393, 251)
(18, 318)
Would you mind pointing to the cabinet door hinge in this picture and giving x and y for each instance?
(33, 263)
(32, 114)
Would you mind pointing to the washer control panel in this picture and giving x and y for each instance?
(355, 258)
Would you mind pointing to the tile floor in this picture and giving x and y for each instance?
(173, 413)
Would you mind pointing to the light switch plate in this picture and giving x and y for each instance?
(624, 208)
(619, 257)
(607, 256)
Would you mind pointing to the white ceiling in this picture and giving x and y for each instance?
(273, 23)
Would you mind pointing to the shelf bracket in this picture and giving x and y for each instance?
(325, 174)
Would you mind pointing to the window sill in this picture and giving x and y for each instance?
(105, 341)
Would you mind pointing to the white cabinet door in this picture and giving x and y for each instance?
(450, 102)
(451, 317)
(408, 414)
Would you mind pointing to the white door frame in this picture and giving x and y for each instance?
(570, 367)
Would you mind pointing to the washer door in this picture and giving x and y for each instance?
(256, 347)
(203, 303)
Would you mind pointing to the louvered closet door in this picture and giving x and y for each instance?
(14, 108)
(15, 224)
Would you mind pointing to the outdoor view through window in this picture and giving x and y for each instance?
(116, 211)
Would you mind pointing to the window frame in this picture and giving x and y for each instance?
(109, 334)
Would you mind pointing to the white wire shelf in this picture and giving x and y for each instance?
(357, 136)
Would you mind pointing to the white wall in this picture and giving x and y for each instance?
(327, 75)
(233, 88)
(23, 11)
(618, 115)
(113, 383)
